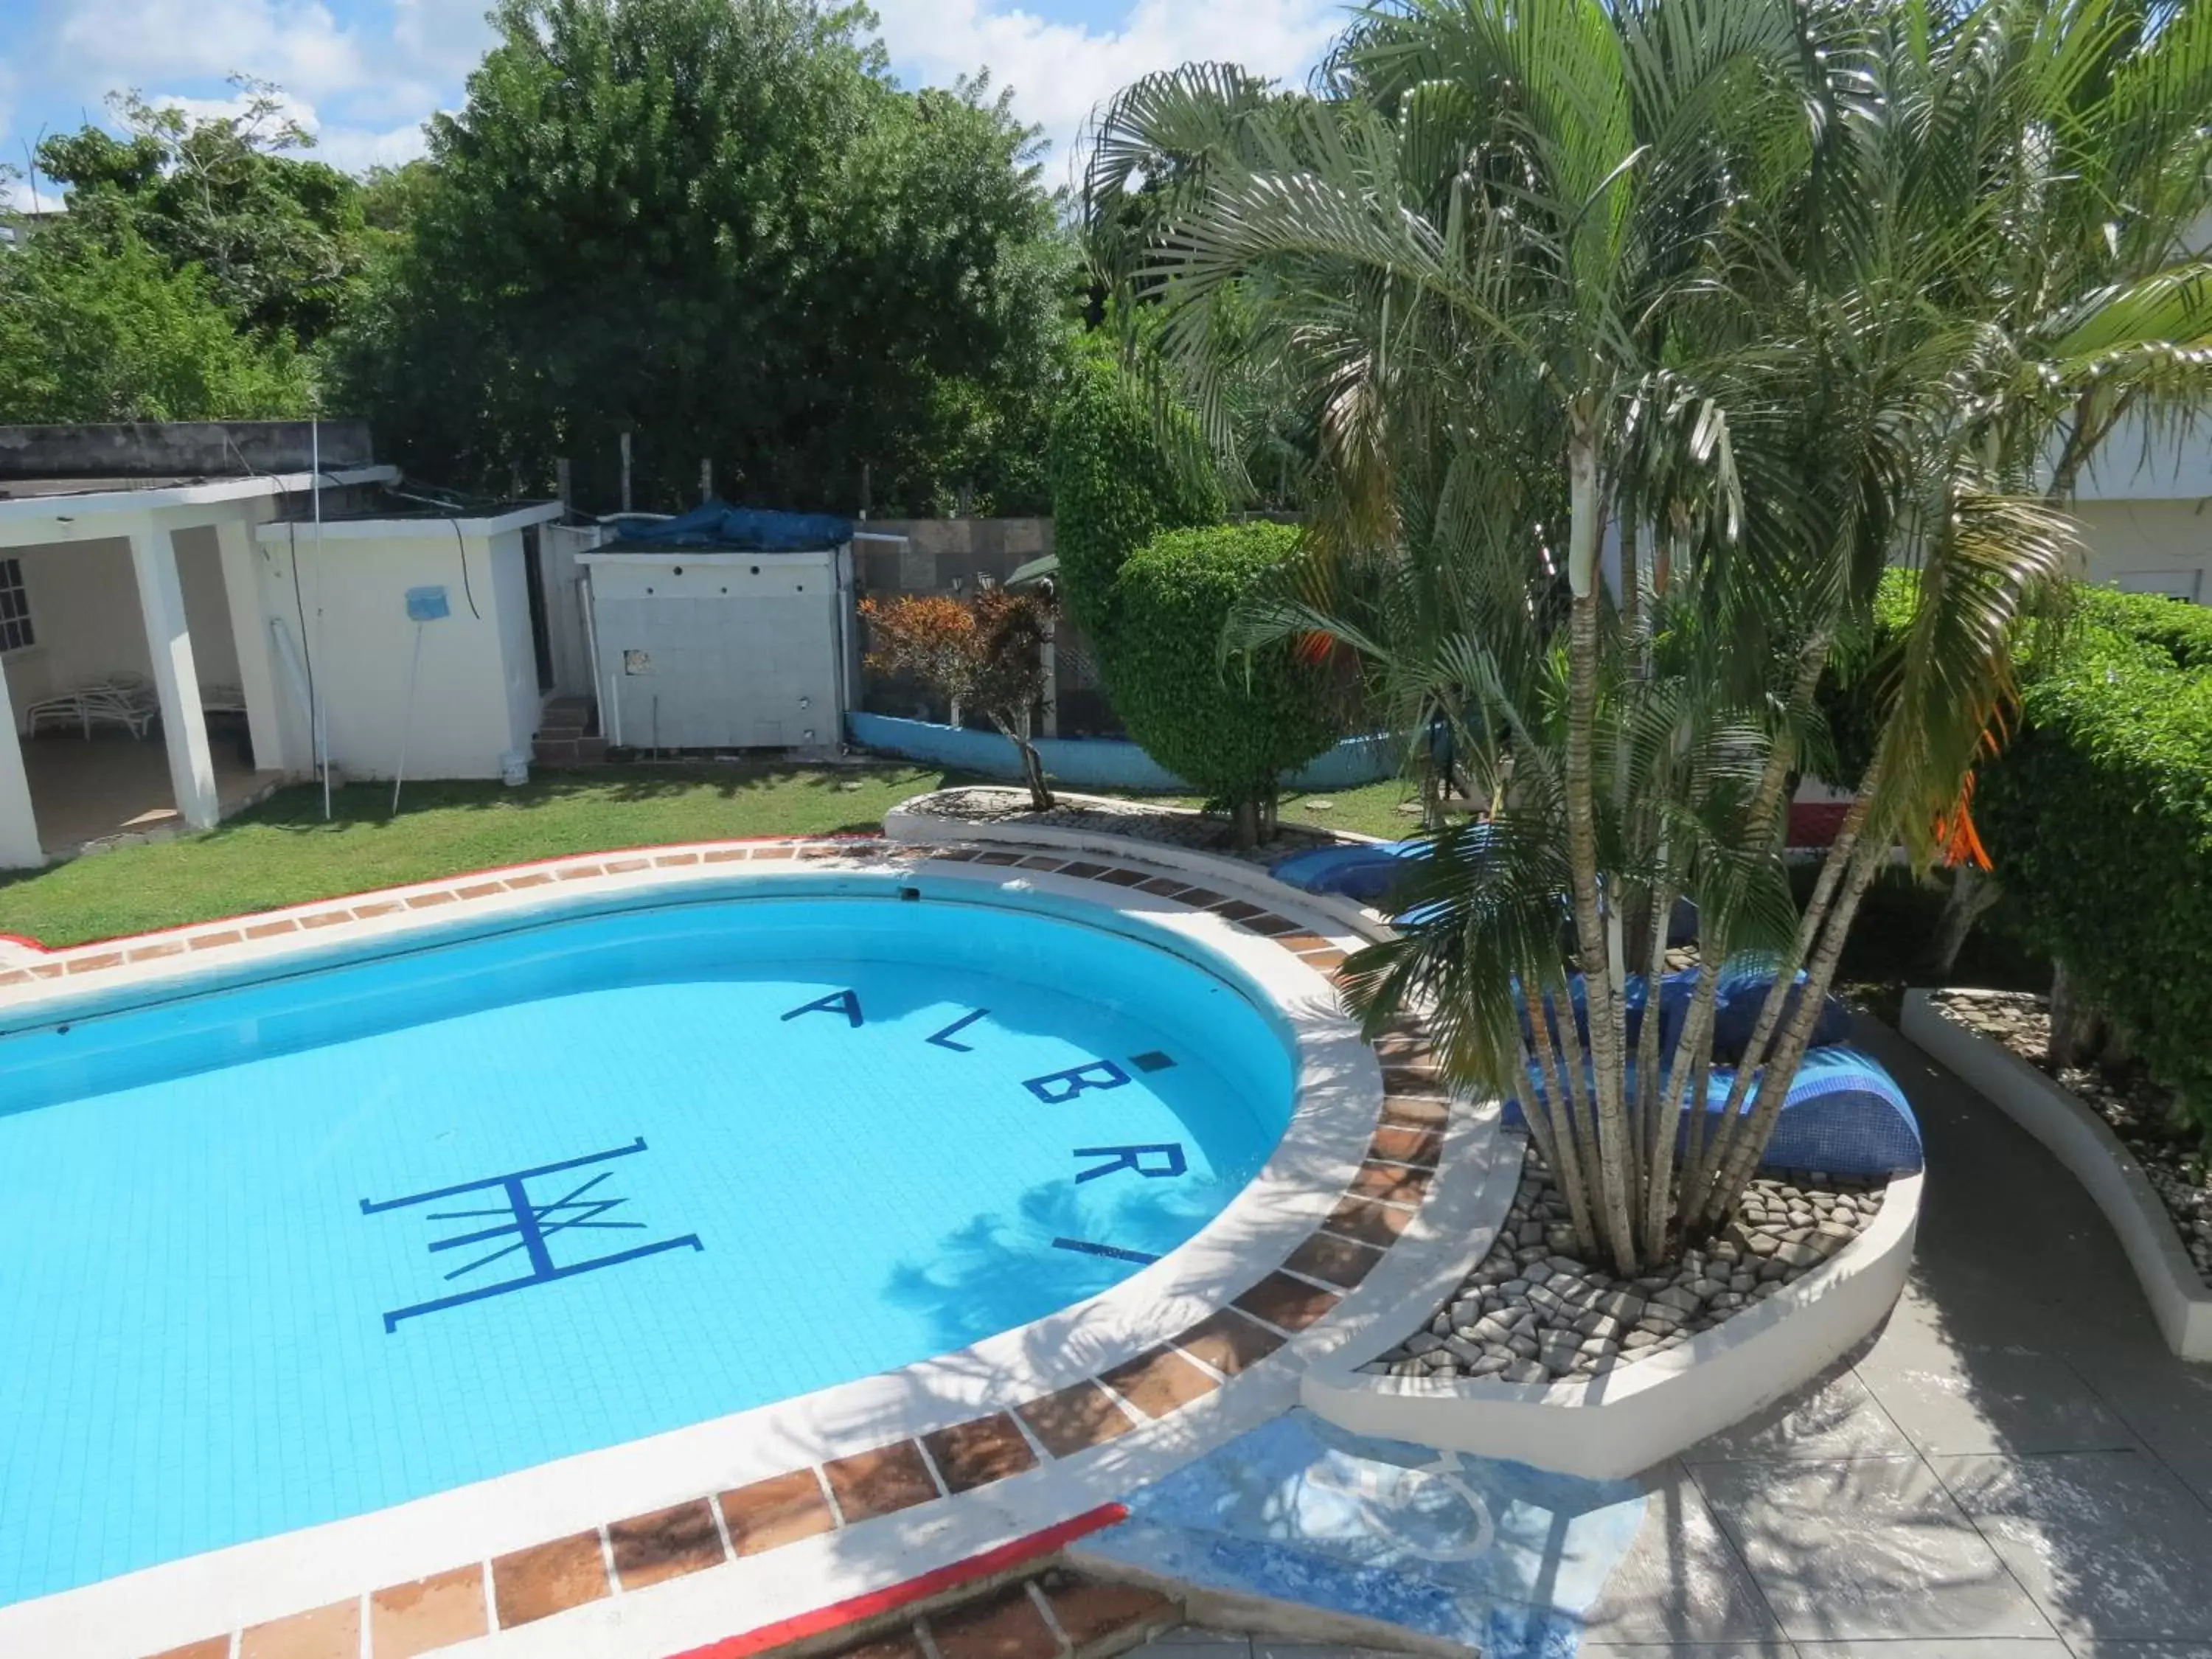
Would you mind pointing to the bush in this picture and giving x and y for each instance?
(1232, 729)
(1113, 487)
(2099, 817)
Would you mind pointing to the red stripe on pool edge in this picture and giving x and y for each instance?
(875, 1603)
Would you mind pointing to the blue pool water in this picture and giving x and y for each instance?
(289, 1251)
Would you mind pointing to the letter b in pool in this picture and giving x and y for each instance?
(1056, 1087)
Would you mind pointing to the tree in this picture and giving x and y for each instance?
(95, 329)
(723, 229)
(988, 651)
(1231, 729)
(279, 238)
(1707, 273)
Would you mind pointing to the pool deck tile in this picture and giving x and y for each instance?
(1415, 1112)
(532, 878)
(476, 889)
(1123, 878)
(424, 901)
(898, 1645)
(1393, 1183)
(215, 1647)
(330, 1632)
(1287, 1303)
(1235, 909)
(1089, 1611)
(1341, 1261)
(1081, 871)
(998, 858)
(666, 1544)
(1228, 1341)
(780, 1509)
(1040, 862)
(672, 860)
(1075, 1420)
(405, 1619)
(210, 941)
(1420, 1147)
(879, 1482)
(573, 873)
(1160, 887)
(548, 1578)
(977, 1452)
(1378, 1224)
(90, 964)
(1201, 898)
(1007, 1625)
(1159, 1381)
(271, 929)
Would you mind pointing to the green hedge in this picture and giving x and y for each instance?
(1232, 729)
(2099, 819)
(2098, 814)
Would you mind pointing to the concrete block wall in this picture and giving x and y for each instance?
(947, 556)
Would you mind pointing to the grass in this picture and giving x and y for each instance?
(283, 853)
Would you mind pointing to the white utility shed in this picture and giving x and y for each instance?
(700, 648)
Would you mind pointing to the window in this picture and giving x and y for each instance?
(14, 607)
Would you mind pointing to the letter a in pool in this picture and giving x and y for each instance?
(847, 1002)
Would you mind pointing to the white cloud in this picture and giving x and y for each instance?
(143, 43)
(1061, 72)
(359, 149)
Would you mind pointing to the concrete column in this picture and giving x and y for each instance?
(249, 632)
(176, 680)
(19, 828)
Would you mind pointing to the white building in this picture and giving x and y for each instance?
(179, 635)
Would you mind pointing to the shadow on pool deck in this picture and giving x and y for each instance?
(2015, 1457)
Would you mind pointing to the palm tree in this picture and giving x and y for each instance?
(1701, 274)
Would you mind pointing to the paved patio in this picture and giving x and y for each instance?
(85, 789)
(2014, 1468)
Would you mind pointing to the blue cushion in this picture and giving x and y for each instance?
(1363, 873)
(1844, 1115)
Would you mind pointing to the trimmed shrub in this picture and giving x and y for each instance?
(1113, 489)
(1231, 728)
(2099, 817)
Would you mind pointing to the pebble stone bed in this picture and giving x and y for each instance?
(2139, 1112)
(1532, 1313)
(1163, 825)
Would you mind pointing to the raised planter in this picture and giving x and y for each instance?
(2179, 1299)
(1095, 763)
(1636, 1416)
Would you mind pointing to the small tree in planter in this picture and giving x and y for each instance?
(987, 652)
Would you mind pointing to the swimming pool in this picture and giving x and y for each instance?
(296, 1248)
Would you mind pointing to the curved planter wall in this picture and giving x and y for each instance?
(2179, 1299)
(1642, 1414)
(1093, 763)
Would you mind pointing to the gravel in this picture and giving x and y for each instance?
(1138, 820)
(1535, 1313)
(2144, 1115)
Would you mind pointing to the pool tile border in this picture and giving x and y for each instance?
(1009, 1438)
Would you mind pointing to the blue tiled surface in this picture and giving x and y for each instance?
(1498, 1555)
(193, 1298)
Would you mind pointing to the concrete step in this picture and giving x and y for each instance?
(567, 748)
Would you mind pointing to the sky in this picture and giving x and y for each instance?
(362, 75)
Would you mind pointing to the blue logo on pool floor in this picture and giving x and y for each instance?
(530, 1222)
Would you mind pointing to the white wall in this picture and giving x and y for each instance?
(84, 612)
(2163, 546)
(207, 607)
(476, 698)
(564, 608)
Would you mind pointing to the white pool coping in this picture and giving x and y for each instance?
(1339, 1093)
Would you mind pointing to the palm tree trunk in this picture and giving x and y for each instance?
(1613, 1150)
(1781, 1067)
(1561, 1152)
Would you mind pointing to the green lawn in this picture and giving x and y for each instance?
(282, 852)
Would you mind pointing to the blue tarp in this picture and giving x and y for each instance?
(740, 529)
